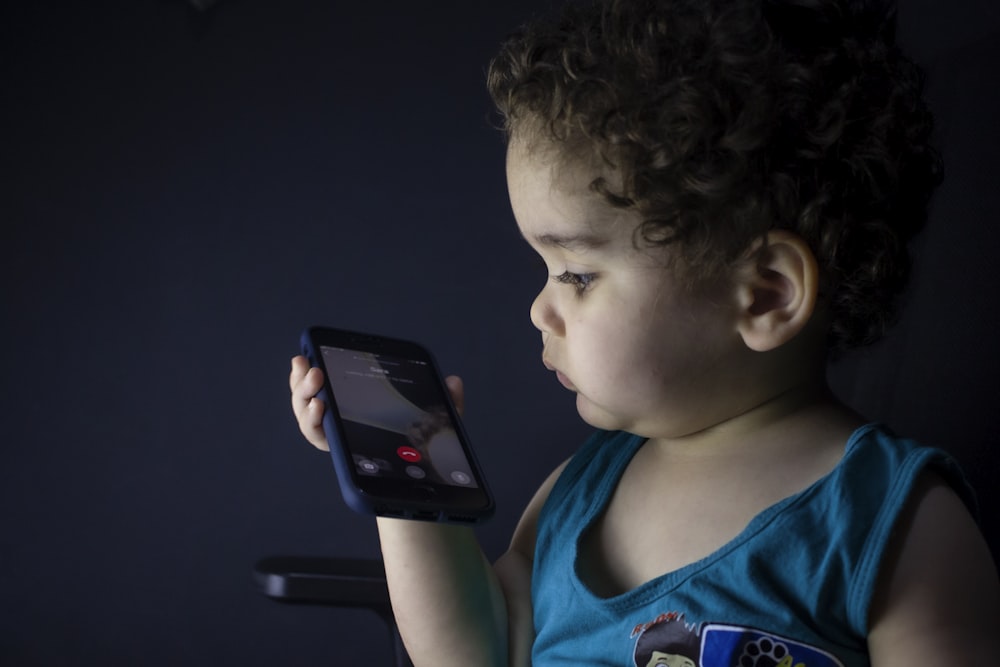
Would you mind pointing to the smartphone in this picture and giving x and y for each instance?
(398, 445)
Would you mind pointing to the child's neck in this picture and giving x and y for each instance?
(802, 415)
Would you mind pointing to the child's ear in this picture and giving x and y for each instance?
(778, 286)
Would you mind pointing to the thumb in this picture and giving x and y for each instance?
(457, 389)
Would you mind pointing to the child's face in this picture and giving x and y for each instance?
(642, 354)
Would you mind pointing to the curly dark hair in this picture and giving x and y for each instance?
(729, 118)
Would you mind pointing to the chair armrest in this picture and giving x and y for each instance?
(339, 582)
(333, 582)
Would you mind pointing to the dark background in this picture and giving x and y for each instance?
(183, 191)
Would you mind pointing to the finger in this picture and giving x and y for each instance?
(457, 390)
(300, 366)
(311, 424)
(305, 382)
(310, 421)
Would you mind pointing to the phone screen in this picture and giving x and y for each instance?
(395, 418)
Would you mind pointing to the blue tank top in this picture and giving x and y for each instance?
(793, 589)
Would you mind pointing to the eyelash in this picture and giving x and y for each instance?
(580, 281)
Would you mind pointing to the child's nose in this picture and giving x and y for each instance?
(544, 315)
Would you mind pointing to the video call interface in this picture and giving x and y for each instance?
(395, 418)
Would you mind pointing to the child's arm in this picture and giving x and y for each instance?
(451, 606)
(938, 597)
(446, 598)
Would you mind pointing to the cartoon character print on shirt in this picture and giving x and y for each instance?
(669, 641)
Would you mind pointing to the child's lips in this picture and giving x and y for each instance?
(563, 380)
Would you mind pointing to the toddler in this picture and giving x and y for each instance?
(722, 192)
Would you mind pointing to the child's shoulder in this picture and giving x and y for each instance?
(937, 597)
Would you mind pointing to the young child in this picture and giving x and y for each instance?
(722, 192)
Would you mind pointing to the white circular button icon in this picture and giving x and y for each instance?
(460, 477)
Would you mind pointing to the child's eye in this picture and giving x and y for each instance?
(580, 281)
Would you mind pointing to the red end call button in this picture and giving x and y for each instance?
(409, 454)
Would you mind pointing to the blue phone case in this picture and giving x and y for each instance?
(430, 509)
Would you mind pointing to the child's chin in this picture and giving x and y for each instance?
(596, 416)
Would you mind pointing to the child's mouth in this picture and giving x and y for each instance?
(565, 381)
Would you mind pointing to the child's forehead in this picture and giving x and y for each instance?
(561, 211)
(555, 205)
(563, 180)
(566, 163)
(575, 241)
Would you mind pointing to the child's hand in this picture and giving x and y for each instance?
(305, 382)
